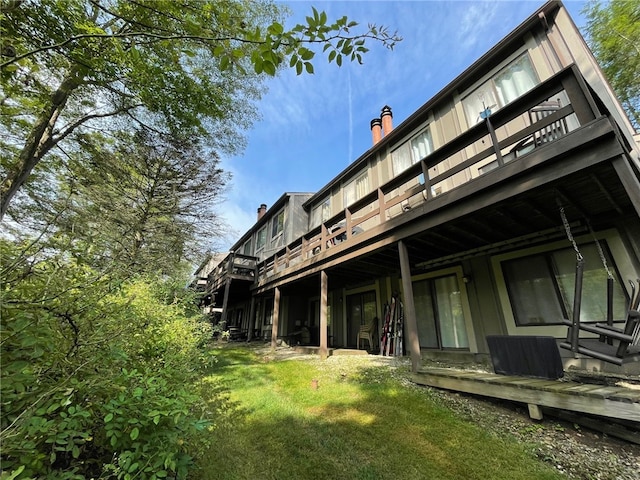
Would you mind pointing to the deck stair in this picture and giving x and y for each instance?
(616, 403)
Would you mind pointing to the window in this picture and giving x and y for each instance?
(440, 318)
(277, 224)
(261, 238)
(246, 248)
(321, 212)
(511, 82)
(356, 189)
(411, 152)
(540, 287)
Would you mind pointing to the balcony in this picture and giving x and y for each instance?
(235, 266)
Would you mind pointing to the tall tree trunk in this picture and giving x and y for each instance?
(39, 141)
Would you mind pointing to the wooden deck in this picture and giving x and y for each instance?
(616, 402)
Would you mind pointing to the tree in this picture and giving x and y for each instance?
(613, 33)
(187, 67)
(140, 200)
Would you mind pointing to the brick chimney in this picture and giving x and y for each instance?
(262, 210)
(376, 130)
(387, 123)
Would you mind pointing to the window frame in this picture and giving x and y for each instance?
(246, 248)
(409, 144)
(621, 262)
(259, 233)
(324, 209)
(277, 225)
(488, 87)
(550, 259)
(364, 174)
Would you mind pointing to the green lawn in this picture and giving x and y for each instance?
(358, 424)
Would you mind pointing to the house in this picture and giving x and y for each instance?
(472, 212)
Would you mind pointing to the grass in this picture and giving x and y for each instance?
(359, 424)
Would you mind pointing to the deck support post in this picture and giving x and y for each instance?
(225, 302)
(324, 287)
(535, 412)
(276, 312)
(252, 320)
(413, 343)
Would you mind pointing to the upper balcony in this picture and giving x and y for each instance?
(556, 118)
(235, 266)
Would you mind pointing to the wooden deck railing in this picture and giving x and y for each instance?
(235, 265)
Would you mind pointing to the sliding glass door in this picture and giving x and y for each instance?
(438, 303)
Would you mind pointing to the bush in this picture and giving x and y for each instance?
(100, 378)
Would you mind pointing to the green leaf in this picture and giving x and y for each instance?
(134, 433)
(309, 67)
(224, 63)
(306, 54)
(108, 417)
(275, 29)
(75, 452)
(299, 68)
(269, 68)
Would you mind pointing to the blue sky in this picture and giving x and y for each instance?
(313, 126)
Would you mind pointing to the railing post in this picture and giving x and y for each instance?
(427, 180)
(381, 206)
(324, 233)
(583, 104)
(347, 222)
(494, 141)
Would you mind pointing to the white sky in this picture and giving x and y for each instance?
(313, 126)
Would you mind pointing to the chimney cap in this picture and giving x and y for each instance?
(376, 122)
(386, 110)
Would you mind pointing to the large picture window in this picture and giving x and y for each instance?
(411, 152)
(356, 189)
(440, 317)
(510, 83)
(321, 212)
(541, 287)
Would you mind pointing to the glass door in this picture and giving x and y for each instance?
(361, 308)
(438, 303)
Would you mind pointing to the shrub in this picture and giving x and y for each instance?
(99, 376)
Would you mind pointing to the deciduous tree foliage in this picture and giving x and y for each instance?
(185, 66)
(613, 33)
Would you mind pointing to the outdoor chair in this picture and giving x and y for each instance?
(366, 332)
(546, 134)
